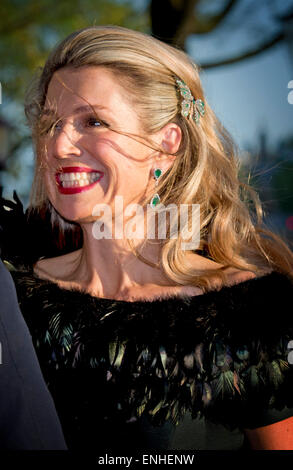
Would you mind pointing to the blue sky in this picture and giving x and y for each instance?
(252, 95)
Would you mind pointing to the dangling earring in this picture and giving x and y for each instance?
(156, 198)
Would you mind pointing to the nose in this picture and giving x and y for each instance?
(65, 142)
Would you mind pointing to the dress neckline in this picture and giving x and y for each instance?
(157, 300)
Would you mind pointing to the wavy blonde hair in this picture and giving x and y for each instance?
(206, 168)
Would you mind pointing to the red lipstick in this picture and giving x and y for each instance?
(72, 185)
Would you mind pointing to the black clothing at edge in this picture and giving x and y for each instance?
(28, 419)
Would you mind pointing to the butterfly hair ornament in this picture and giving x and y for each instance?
(190, 107)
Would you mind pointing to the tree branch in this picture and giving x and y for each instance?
(232, 60)
(193, 24)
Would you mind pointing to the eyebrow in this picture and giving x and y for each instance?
(78, 110)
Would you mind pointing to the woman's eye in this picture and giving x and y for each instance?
(93, 122)
(81, 125)
(57, 126)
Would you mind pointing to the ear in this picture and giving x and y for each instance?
(171, 136)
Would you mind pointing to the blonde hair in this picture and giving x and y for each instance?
(206, 167)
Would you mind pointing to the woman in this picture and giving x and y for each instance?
(152, 341)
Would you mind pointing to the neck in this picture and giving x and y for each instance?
(110, 268)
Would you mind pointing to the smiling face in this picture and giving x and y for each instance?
(86, 162)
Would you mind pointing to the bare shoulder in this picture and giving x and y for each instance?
(238, 275)
(234, 275)
(55, 268)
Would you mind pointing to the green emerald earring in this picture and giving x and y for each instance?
(156, 198)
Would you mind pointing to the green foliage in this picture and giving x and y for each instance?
(30, 28)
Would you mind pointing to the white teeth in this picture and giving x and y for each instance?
(68, 180)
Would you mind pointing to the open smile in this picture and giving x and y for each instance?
(74, 179)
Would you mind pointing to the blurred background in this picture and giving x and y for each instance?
(244, 49)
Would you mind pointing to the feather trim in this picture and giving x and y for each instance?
(220, 355)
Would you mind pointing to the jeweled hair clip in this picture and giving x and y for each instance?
(190, 106)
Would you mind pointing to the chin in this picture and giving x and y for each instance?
(76, 216)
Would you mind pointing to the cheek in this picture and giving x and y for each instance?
(133, 184)
(50, 186)
(130, 166)
(49, 180)
(121, 152)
